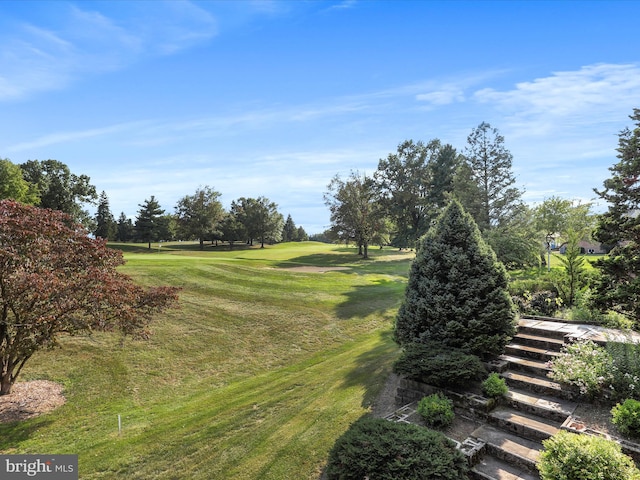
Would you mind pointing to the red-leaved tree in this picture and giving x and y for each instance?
(54, 279)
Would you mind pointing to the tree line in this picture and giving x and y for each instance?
(201, 216)
(410, 188)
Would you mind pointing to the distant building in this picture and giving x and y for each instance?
(589, 248)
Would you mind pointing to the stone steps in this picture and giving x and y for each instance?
(526, 351)
(520, 452)
(532, 410)
(539, 342)
(528, 365)
(533, 383)
(491, 468)
(523, 424)
(543, 406)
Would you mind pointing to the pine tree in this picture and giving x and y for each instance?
(618, 288)
(105, 223)
(124, 228)
(289, 231)
(457, 291)
(148, 221)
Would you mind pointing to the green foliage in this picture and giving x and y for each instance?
(570, 456)
(59, 189)
(13, 185)
(407, 187)
(437, 410)
(626, 417)
(314, 348)
(617, 288)
(494, 386)
(584, 364)
(457, 290)
(382, 450)
(544, 303)
(525, 286)
(626, 369)
(440, 366)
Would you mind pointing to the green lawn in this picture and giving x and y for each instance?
(254, 377)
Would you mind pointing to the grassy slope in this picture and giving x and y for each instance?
(254, 377)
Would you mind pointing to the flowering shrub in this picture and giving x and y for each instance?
(626, 372)
(584, 364)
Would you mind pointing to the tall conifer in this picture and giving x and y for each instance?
(457, 290)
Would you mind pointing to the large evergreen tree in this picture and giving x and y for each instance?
(149, 221)
(106, 226)
(125, 228)
(618, 288)
(457, 291)
(491, 163)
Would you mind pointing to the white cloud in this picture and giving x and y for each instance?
(592, 94)
(38, 58)
(448, 94)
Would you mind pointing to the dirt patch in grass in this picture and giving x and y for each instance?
(30, 399)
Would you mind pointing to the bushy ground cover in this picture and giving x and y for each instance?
(256, 376)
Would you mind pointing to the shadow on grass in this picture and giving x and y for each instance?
(379, 296)
(373, 368)
(13, 433)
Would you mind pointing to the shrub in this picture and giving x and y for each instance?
(456, 293)
(584, 364)
(523, 286)
(494, 386)
(570, 456)
(626, 371)
(437, 410)
(439, 366)
(382, 450)
(545, 303)
(626, 417)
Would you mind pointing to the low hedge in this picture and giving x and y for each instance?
(443, 367)
(382, 450)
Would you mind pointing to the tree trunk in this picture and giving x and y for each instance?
(5, 384)
(202, 244)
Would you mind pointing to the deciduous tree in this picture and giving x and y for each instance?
(260, 218)
(356, 213)
(56, 280)
(60, 189)
(403, 182)
(13, 185)
(199, 214)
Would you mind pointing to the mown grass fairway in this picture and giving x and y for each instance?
(257, 374)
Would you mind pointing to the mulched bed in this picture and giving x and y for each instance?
(30, 399)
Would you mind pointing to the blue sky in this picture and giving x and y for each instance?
(270, 98)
